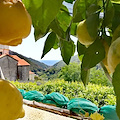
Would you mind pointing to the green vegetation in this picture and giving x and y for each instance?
(98, 94)
(70, 72)
(97, 76)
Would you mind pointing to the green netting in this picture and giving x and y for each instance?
(81, 105)
(22, 92)
(109, 112)
(34, 95)
(57, 99)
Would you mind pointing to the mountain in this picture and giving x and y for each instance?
(34, 64)
(61, 63)
(49, 62)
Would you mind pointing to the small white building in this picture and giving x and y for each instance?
(31, 76)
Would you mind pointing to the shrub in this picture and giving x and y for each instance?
(98, 94)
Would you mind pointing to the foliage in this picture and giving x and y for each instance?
(70, 72)
(97, 76)
(98, 94)
(102, 21)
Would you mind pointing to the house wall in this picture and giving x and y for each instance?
(23, 72)
(9, 67)
(31, 77)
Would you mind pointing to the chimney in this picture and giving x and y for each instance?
(4, 49)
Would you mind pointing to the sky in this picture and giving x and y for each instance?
(32, 49)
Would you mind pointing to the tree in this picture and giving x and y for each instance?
(102, 23)
(70, 72)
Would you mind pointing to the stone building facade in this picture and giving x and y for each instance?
(12, 67)
(8, 66)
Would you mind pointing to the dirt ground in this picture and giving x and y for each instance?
(37, 114)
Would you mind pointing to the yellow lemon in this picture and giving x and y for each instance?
(15, 22)
(83, 35)
(11, 100)
(114, 55)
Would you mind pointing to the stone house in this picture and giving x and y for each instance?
(8, 66)
(12, 67)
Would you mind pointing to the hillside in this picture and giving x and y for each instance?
(62, 63)
(34, 64)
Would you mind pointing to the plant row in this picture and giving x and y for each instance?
(98, 94)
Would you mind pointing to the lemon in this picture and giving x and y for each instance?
(83, 35)
(114, 55)
(15, 22)
(11, 101)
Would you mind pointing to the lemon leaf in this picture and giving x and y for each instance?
(115, 21)
(80, 48)
(67, 50)
(64, 18)
(79, 9)
(69, 1)
(85, 75)
(55, 26)
(42, 12)
(49, 43)
(116, 85)
(92, 21)
(109, 13)
(93, 55)
(115, 1)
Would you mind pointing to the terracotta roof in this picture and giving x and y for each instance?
(7, 55)
(21, 62)
(30, 72)
(3, 55)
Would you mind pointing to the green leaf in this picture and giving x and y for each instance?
(93, 20)
(109, 13)
(49, 43)
(42, 12)
(73, 29)
(115, 1)
(61, 23)
(116, 33)
(79, 10)
(116, 85)
(85, 75)
(64, 18)
(38, 34)
(55, 26)
(80, 48)
(116, 17)
(93, 55)
(69, 1)
(56, 44)
(67, 50)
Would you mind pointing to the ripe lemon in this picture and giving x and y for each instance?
(11, 101)
(114, 55)
(83, 35)
(15, 22)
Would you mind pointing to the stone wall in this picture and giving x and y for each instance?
(23, 72)
(9, 67)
